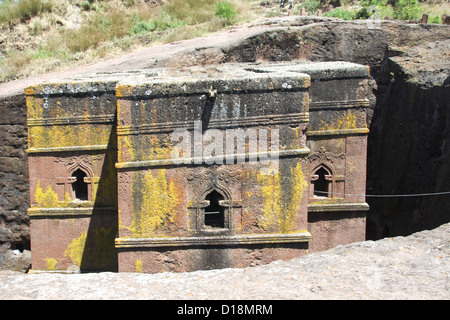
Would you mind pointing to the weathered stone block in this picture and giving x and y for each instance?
(183, 170)
(73, 182)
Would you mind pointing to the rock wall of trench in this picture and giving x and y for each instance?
(14, 222)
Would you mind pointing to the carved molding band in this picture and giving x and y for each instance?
(69, 149)
(247, 239)
(186, 161)
(345, 104)
(340, 132)
(68, 212)
(102, 119)
(222, 175)
(324, 157)
(336, 207)
(293, 118)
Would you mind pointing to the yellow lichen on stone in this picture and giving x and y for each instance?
(126, 149)
(51, 263)
(298, 187)
(68, 136)
(75, 249)
(123, 90)
(158, 210)
(280, 211)
(99, 253)
(34, 107)
(347, 121)
(47, 199)
(67, 198)
(351, 167)
(28, 91)
(137, 148)
(139, 267)
(271, 193)
(307, 82)
(158, 150)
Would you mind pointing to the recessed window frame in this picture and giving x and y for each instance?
(214, 212)
(326, 178)
(87, 179)
(197, 208)
(80, 187)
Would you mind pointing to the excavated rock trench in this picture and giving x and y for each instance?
(408, 153)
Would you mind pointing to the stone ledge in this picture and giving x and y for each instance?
(98, 119)
(75, 270)
(271, 238)
(69, 149)
(338, 105)
(340, 132)
(261, 156)
(240, 81)
(334, 207)
(75, 86)
(321, 70)
(227, 123)
(68, 212)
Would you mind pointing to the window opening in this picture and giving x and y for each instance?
(322, 183)
(214, 213)
(79, 187)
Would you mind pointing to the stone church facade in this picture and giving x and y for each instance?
(196, 168)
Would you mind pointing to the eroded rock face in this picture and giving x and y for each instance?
(13, 173)
(14, 222)
(409, 149)
(15, 260)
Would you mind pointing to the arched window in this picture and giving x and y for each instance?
(79, 186)
(322, 181)
(214, 212)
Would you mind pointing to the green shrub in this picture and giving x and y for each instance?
(378, 9)
(341, 14)
(225, 11)
(311, 6)
(161, 23)
(142, 27)
(86, 5)
(407, 9)
(43, 53)
(435, 19)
